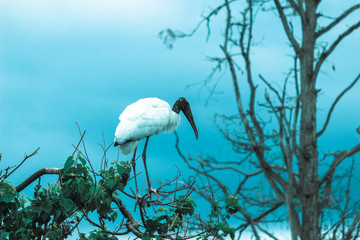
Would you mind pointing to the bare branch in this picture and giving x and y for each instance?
(245, 49)
(81, 138)
(25, 158)
(351, 229)
(35, 176)
(235, 79)
(334, 104)
(263, 215)
(326, 53)
(132, 225)
(270, 87)
(169, 36)
(297, 109)
(286, 26)
(267, 232)
(337, 20)
(337, 160)
(222, 186)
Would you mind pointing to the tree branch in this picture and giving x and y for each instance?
(326, 53)
(338, 159)
(35, 176)
(337, 20)
(262, 215)
(298, 8)
(334, 104)
(229, 60)
(132, 225)
(285, 23)
(25, 158)
(352, 227)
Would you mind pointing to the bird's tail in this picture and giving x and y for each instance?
(127, 148)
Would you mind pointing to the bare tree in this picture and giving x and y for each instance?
(285, 157)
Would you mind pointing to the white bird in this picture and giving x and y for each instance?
(147, 117)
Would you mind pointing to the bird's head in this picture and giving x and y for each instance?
(183, 105)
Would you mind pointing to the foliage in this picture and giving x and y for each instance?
(54, 212)
(82, 194)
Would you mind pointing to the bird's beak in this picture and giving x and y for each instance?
(190, 118)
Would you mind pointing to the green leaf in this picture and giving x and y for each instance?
(46, 206)
(20, 230)
(120, 169)
(192, 202)
(69, 163)
(82, 160)
(6, 198)
(121, 186)
(66, 204)
(231, 230)
(162, 229)
(145, 236)
(90, 179)
(162, 217)
(112, 184)
(151, 225)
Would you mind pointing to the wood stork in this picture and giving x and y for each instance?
(147, 117)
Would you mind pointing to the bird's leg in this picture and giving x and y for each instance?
(150, 189)
(133, 163)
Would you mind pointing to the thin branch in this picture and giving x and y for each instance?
(221, 185)
(337, 160)
(326, 53)
(77, 146)
(334, 104)
(297, 8)
(270, 87)
(235, 79)
(337, 20)
(297, 108)
(25, 158)
(169, 36)
(288, 31)
(352, 227)
(245, 54)
(263, 215)
(267, 233)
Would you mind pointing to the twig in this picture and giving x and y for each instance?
(25, 158)
(76, 148)
(337, 20)
(334, 104)
(288, 31)
(327, 53)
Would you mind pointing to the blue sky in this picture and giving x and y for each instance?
(62, 63)
(81, 61)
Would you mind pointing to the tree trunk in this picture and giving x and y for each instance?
(308, 161)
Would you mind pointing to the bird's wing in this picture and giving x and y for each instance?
(141, 107)
(143, 118)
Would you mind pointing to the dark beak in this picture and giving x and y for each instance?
(190, 118)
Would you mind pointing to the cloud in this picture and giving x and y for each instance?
(59, 16)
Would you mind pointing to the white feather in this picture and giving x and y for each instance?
(127, 148)
(146, 117)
